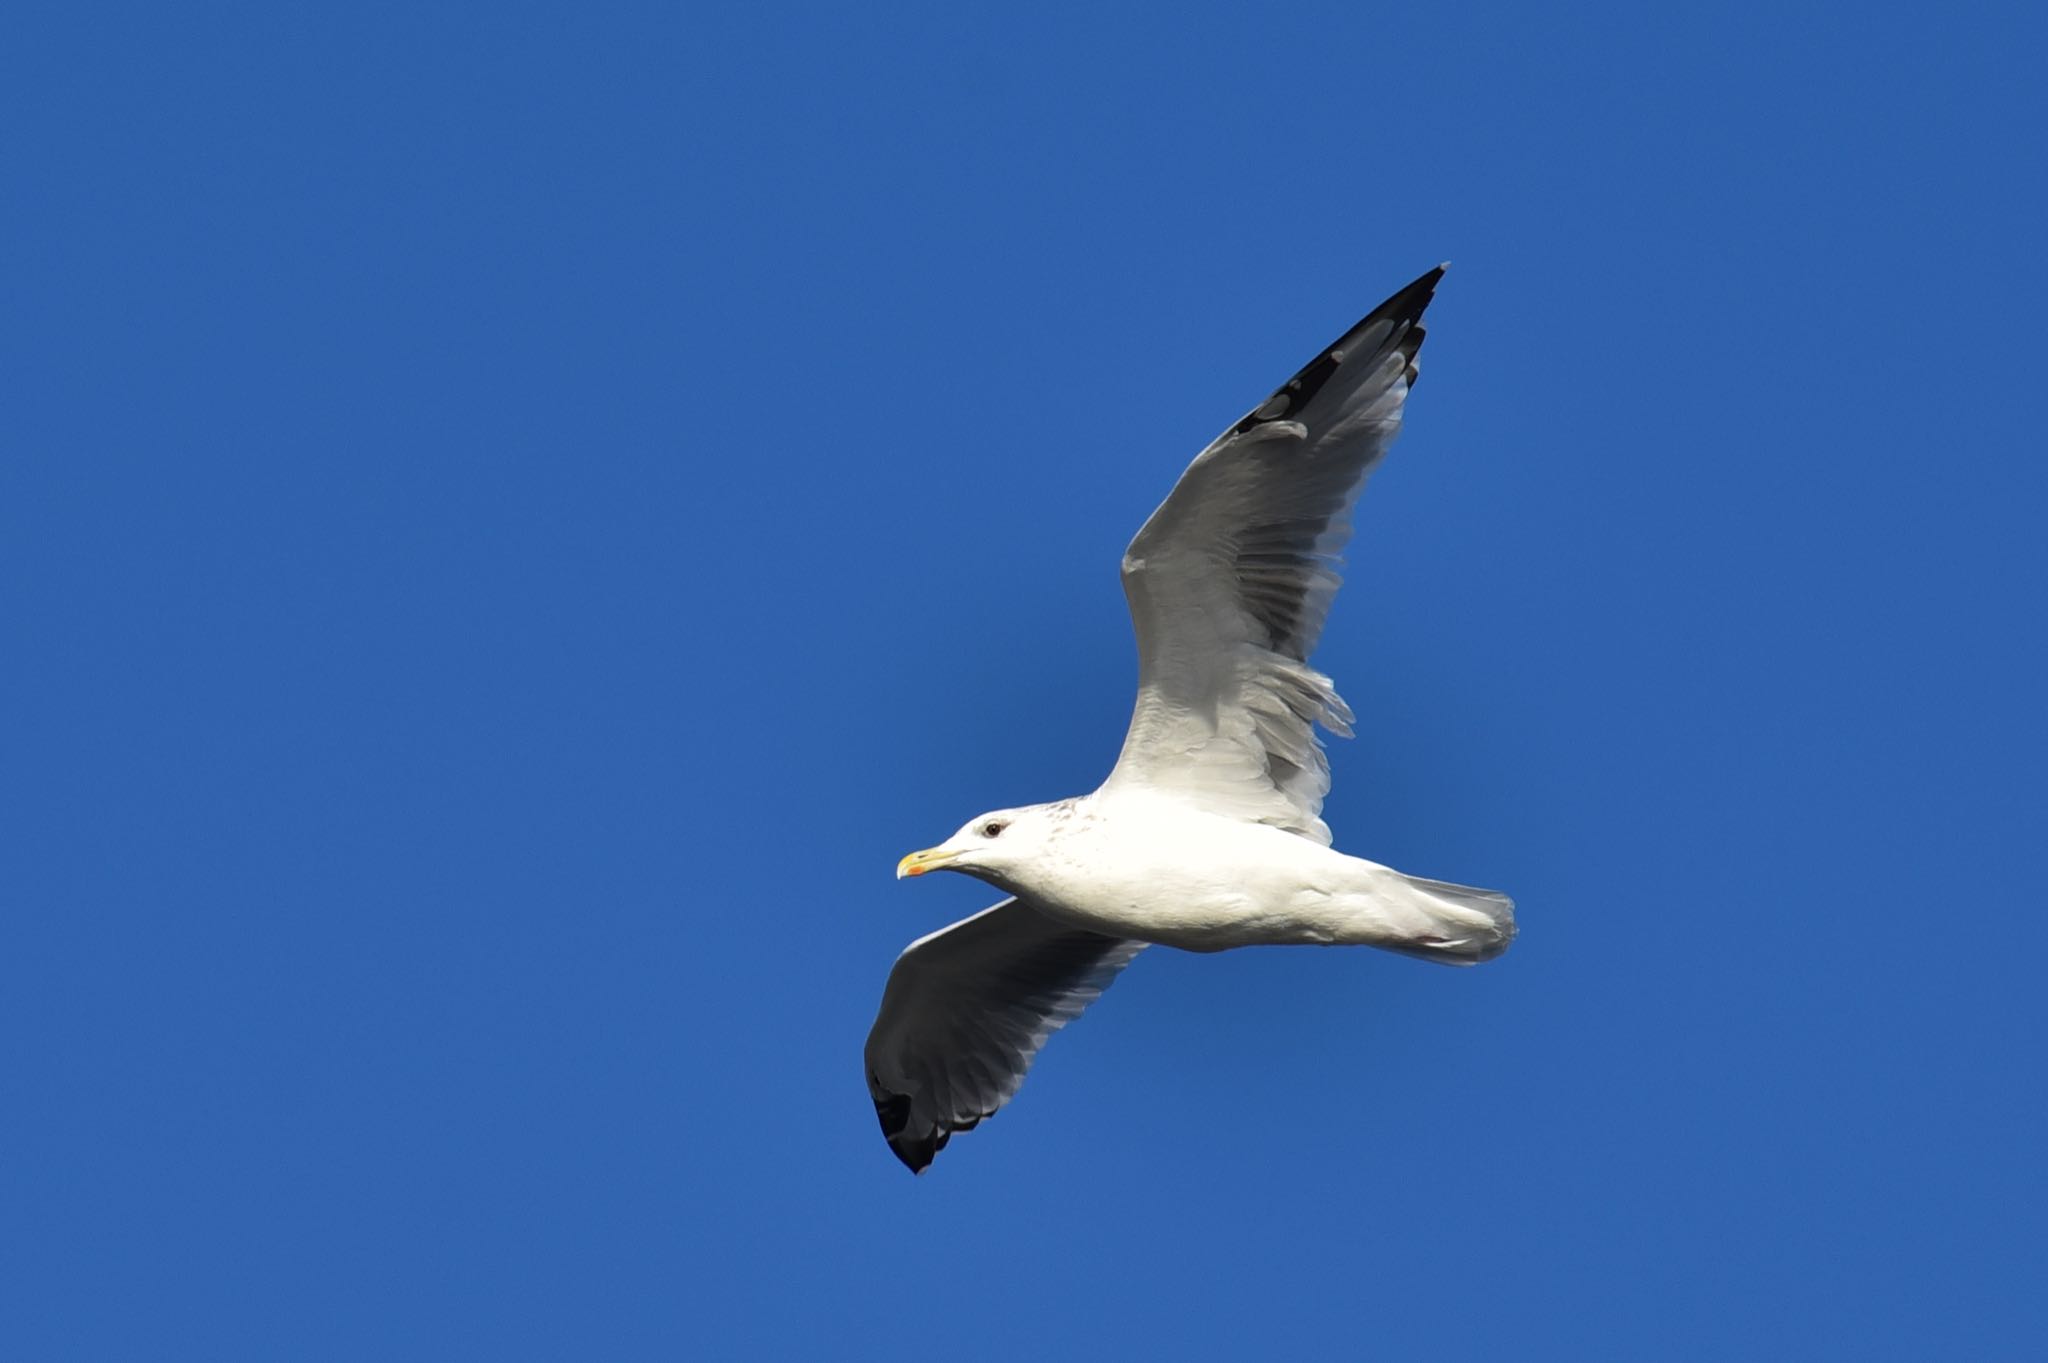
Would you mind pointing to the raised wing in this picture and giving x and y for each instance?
(965, 1012)
(1230, 580)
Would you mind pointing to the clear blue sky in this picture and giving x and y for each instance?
(513, 518)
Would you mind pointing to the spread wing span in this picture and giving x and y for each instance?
(965, 1013)
(1230, 580)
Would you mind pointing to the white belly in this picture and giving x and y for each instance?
(1204, 883)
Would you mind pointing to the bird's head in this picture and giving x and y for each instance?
(994, 846)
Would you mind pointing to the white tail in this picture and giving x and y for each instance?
(1442, 922)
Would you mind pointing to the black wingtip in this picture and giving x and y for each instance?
(916, 1149)
(917, 1152)
(1408, 304)
(1404, 309)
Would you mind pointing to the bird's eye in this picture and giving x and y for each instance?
(992, 828)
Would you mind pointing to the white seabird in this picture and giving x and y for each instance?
(1208, 834)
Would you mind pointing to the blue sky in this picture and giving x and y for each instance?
(513, 518)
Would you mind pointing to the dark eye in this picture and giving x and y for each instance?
(992, 828)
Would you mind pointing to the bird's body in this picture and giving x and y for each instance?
(1209, 833)
(1157, 871)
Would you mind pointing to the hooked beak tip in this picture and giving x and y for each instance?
(917, 863)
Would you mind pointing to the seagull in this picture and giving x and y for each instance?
(1208, 833)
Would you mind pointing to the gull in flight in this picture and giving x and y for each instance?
(1209, 833)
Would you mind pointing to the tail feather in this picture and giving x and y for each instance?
(1459, 925)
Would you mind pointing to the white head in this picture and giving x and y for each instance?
(997, 846)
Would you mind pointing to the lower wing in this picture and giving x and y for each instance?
(965, 1012)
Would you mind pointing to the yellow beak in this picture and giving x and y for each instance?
(917, 863)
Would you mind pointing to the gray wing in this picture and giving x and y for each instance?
(1230, 580)
(965, 1012)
